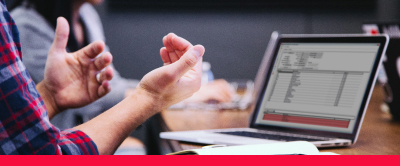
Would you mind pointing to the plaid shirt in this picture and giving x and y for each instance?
(24, 123)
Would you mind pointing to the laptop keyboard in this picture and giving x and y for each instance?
(270, 136)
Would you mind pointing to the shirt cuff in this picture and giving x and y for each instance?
(75, 142)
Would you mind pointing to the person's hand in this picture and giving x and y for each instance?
(218, 91)
(178, 79)
(70, 78)
(180, 76)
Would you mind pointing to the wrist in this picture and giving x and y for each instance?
(48, 99)
(151, 101)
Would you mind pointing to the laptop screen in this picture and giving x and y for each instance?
(318, 86)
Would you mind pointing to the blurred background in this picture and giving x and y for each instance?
(235, 33)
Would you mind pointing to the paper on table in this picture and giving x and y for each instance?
(287, 148)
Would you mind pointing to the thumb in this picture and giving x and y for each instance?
(61, 36)
(187, 62)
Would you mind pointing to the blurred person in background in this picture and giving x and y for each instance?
(36, 21)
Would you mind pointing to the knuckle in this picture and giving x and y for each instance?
(62, 36)
(93, 49)
(89, 52)
(109, 76)
(191, 60)
(102, 61)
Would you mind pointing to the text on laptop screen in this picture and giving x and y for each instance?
(317, 86)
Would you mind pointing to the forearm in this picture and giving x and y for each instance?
(110, 128)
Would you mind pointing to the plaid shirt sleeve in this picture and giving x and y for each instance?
(24, 123)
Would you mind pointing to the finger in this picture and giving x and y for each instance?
(199, 65)
(91, 51)
(219, 93)
(175, 46)
(229, 92)
(170, 48)
(61, 36)
(214, 94)
(220, 81)
(106, 75)
(223, 84)
(164, 56)
(173, 56)
(221, 98)
(187, 61)
(180, 43)
(103, 61)
(225, 87)
(173, 43)
(167, 43)
(104, 88)
(226, 96)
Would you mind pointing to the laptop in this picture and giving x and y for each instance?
(316, 89)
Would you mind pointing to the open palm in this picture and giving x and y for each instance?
(71, 77)
(180, 76)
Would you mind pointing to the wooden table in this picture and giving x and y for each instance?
(379, 134)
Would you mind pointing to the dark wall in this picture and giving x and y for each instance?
(224, 3)
(234, 41)
(235, 38)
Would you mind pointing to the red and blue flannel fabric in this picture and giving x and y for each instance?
(24, 123)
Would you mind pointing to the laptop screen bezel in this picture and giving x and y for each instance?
(382, 40)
